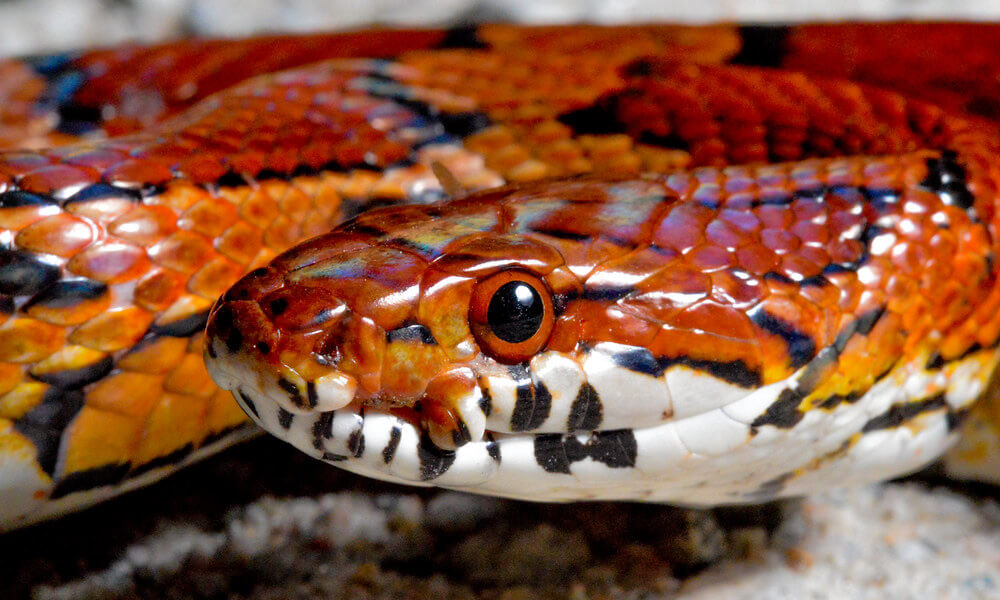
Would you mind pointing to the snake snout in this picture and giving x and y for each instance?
(270, 340)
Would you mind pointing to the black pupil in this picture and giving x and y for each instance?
(515, 312)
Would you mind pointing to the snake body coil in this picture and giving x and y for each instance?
(672, 279)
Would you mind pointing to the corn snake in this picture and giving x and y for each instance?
(761, 310)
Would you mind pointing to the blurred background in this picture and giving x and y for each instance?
(28, 26)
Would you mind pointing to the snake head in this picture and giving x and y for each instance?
(411, 328)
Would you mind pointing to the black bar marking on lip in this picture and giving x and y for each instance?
(411, 333)
(292, 390)
(285, 418)
(311, 396)
(389, 452)
(356, 443)
(555, 453)
(493, 448)
(735, 372)
(801, 347)
(434, 461)
(322, 429)
(586, 412)
(533, 404)
(783, 413)
(901, 413)
(249, 403)
(636, 359)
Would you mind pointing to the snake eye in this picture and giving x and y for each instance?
(511, 315)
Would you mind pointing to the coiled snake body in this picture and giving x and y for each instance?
(697, 282)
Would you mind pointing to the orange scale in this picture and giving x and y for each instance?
(407, 368)
(21, 399)
(357, 346)
(138, 172)
(61, 234)
(259, 208)
(810, 232)
(145, 225)
(67, 358)
(630, 269)
(683, 227)
(25, 340)
(281, 234)
(67, 311)
(482, 255)
(185, 307)
(19, 163)
(158, 289)
(182, 251)
(716, 319)
(10, 375)
(737, 292)
(190, 378)
(157, 357)
(241, 242)
(57, 179)
(707, 257)
(110, 262)
(687, 344)
(210, 217)
(212, 279)
(97, 438)
(181, 196)
(775, 217)
(380, 283)
(720, 233)
(114, 330)
(19, 217)
(129, 394)
(798, 266)
(177, 421)
(95, 158)
(222, 414)
(297, 308)
(779, 240)
(440, 294)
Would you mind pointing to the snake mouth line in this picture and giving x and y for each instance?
(709, 458)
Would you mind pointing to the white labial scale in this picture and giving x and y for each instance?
(473, 466)
(300, 434)
(503, 396)
(628, 398)
(712, 433)
(694, 392)
(563, 377)
(660, 450)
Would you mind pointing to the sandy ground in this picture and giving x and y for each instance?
(263, 522)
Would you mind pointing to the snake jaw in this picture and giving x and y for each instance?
(451, 411)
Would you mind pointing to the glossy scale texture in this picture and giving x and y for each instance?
(114, 248)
